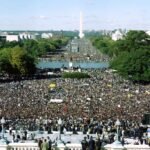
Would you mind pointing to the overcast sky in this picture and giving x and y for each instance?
(64, 14)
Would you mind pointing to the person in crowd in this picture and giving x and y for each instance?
(91, 144)
(40, 143)
(84, 144)
(45, 145)
(49, 143)
(103, 98)
(98, 143)
(149, 141)
(122, 140)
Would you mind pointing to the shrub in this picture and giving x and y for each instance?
(78, 75)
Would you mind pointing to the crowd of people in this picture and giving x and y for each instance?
(90, 143)
(90, 105)
(105, 95)
(96, 133)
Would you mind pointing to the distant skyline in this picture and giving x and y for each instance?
(65, 14)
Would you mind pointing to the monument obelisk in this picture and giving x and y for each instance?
(81, 34)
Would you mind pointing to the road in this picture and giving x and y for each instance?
(78, 50)
(82, 49)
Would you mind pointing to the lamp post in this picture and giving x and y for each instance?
(2, 141)
(2, 122)
(60, 123)
(59, 143)
(38, 121)
(89, 106)
(117, 142)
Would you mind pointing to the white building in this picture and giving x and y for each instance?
(148, 32)
(23, 36)
(46, 35)
(117, 35)
(11, 38)
(35, 36)
(17, 37)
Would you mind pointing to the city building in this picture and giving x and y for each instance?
(117, 35)
(74, 47)
(24, 36)
(148, 32)
(11, 38)
(19, 36)
(46, 35)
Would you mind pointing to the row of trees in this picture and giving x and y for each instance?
(20, 58)
(130, 55)
(37, 47)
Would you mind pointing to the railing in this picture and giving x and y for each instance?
(137, 147)
(71, 146)
(127, 147)
(34, 146)
(23, 146)
(74, 146)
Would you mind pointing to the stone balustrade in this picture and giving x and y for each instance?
(34, 146)
(71, 146)
(127, 147)
(23, 146)
(137, 147)
(3, 147)
(74, 146)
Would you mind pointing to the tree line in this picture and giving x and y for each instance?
(130, 56)
(20, 58)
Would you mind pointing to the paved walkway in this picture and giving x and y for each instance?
(71, 138)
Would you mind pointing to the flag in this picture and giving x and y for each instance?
(52, 85)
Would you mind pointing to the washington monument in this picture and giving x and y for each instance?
(81, 34)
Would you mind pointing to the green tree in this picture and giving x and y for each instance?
(5, 63)
(133, 53)
(130, 54)
(31, 46)
(104, 44)
(22, 62)
(131, 42)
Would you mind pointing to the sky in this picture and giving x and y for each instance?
(65, 14)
